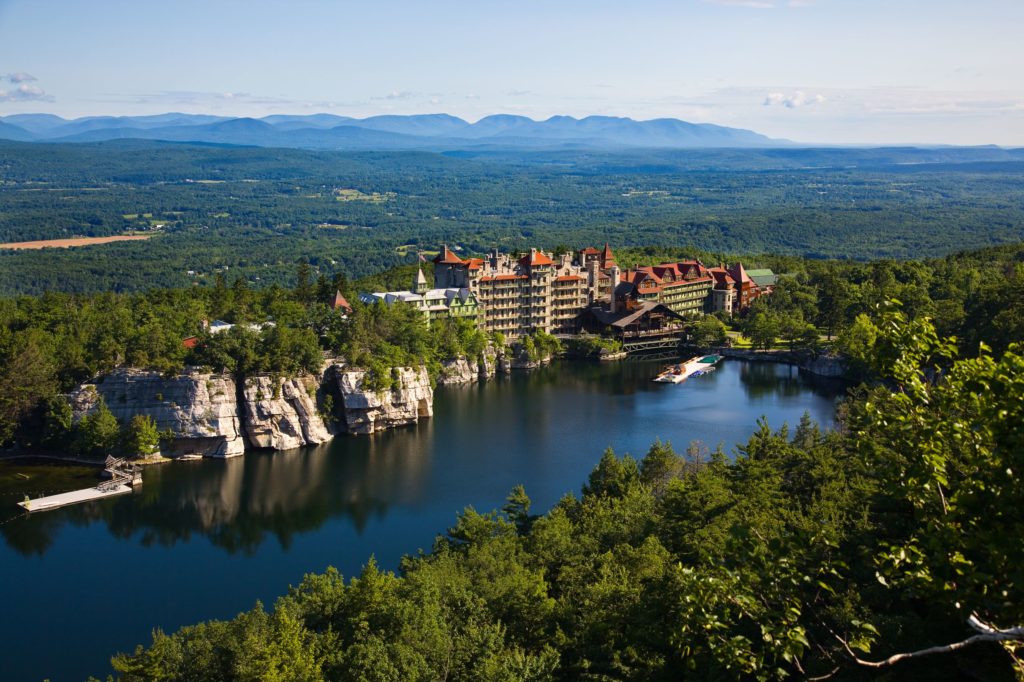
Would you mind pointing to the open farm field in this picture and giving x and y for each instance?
(71, 243)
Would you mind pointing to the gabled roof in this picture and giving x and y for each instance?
(722, 277)
(624, 318)
(447, 257)
(340, 302)
(535, 258)
(475, 263)
(591, 251)
(739, 274)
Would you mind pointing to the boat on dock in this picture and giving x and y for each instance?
(696, 366)
(673, 374)
(123, 475)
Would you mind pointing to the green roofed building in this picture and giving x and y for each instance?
(765, 279)
(435, 303)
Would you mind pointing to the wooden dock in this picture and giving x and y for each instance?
(73, 497)
(123, 475)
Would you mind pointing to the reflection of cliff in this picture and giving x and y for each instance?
(768, 378)
(236, 502)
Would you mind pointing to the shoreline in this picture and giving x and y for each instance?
(825, 366)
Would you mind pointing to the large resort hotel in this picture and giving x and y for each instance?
(543, 292)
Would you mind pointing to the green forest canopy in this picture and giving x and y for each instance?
(255, 212)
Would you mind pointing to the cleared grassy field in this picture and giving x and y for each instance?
(70, 243)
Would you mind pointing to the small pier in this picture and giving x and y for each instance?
(123, 476)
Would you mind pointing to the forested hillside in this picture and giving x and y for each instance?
(256, 212)
(811, 555)
(50, 343)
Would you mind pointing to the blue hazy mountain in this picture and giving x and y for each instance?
(429, 131)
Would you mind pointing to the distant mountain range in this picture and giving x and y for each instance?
(426, 132)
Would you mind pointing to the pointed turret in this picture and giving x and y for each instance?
(419, 285)
(607, 258)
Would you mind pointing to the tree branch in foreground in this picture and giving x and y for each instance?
(986, 633)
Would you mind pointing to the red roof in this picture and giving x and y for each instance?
(569, 278)
(535, 258)
(340, 302)
(475, 263)
(447, 257)
(739, 274)
(591, 251)
(721, 276)
(190, 342)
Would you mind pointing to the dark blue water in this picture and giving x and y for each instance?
(206, 539)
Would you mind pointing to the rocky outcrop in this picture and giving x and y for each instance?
(367, 411)
(281, 413)
(827, 365)
(492, 362)
(521, 359)
(457, 371)
(199, 409)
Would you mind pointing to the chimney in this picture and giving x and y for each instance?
(616, 278)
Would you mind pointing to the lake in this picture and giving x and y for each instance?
(206, 539)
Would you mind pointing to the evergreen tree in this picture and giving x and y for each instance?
(99, 431)
(303, 283)
(141, 437)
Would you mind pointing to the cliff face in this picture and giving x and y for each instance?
(462, 370)
(367, 411)
(457, 371)
(282, 413)
(211, 415)
(200, 409)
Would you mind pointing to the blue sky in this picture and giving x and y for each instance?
(838, 71)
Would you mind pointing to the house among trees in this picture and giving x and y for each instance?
(341, 304)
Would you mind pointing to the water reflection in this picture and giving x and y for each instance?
(544, 429)
(236, 503)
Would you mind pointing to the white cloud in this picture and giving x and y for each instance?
(518, 93)
(25, 93)
(793, 101)
(397, 95)
(21, 77)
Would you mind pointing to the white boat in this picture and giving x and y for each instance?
(676, 374)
